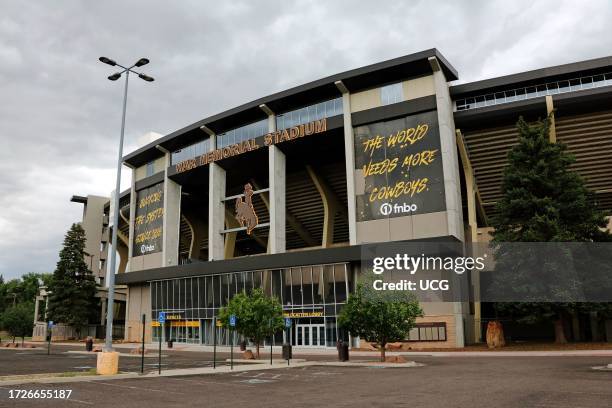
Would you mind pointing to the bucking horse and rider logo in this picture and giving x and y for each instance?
(245, 213)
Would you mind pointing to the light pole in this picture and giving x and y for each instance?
(108, 345)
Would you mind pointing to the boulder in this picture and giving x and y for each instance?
(495, 335)
(97, 349)
(248, 355)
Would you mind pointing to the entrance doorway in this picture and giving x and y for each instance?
(310, 335)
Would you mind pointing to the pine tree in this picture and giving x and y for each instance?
(543, 200)
(72, 300)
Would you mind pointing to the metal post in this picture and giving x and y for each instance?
(161, 329)
(108, 345)
(214, 342)
(49, 339)
(144, 321)
(231, 349)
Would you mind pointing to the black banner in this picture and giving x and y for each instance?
(402, 166)
(148, 225)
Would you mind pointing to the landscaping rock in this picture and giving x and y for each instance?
(248, 355)
(495, 335)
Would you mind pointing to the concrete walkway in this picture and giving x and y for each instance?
(330, 351)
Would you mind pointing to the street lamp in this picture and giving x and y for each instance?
(108, 346)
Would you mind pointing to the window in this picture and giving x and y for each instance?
(391, 93)
(240, 134)
(191, 151)
(150, 168)
(435, 331)
(309, 113)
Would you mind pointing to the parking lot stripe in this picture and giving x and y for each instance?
(136, 388)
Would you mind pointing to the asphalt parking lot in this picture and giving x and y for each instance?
(32, 361)
(540, 382)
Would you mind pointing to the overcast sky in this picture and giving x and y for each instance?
(60, 116)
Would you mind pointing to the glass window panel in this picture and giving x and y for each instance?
(317, 272)
(188, 294)
(340, 280)
(510, 96)
(587, 82)
(541, 89)
(328, 283)
(296, 286)
(307, 285)
(287, 300)
(598, 80)
(338, 106)
(442, 333)
(530, 92)
(277, 284)
(257, 284)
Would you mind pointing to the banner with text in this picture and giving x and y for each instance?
(401, 165)
(148, 225)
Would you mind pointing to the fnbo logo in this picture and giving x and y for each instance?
(405, 208)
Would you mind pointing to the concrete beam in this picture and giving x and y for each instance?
(292, 220)
(331, 206)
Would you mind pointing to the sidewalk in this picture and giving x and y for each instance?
(330, 351)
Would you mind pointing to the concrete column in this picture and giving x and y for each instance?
(132, 218)
(277, 175)
(450, 161)
(349, 154)
(216, 212)
(450, 168)
(172, 218)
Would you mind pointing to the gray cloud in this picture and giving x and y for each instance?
(59, 118)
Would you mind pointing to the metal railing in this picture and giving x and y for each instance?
(529, 92)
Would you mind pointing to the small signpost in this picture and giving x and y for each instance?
(232, 323)
(144, 322)
(288, 327)
(161, 319)
(271, 339)
(49, 333)
(215, 326)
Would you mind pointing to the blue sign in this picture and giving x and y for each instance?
(161, 319)
(287, 322)
(232, 320)
(50, 323)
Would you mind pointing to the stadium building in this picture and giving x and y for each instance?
(282, 192)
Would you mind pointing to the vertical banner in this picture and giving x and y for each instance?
(148, 224)
(401, 166)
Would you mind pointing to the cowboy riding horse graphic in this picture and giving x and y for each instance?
(245, 213)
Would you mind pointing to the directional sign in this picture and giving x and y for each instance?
(287, 322)
(161, 319)
(232, 320)
(50, 323)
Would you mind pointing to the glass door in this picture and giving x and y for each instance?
(310, 335)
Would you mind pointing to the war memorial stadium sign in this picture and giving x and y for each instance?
(272, 138)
